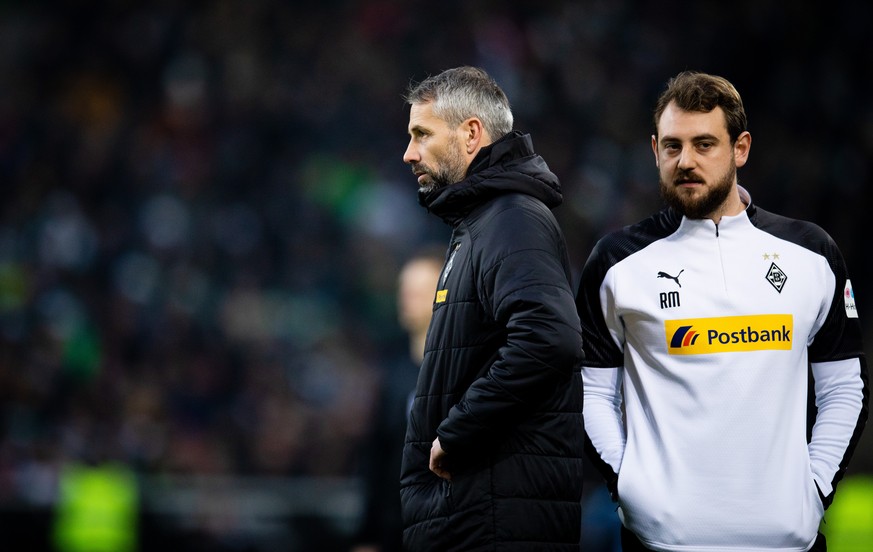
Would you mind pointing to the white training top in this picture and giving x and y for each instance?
(702, 334)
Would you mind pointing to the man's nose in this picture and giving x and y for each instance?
(686, 159)
(411, 155)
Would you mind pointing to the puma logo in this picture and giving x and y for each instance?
(674, 278)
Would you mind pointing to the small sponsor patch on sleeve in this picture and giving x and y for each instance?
(441, 295)
(849, 300)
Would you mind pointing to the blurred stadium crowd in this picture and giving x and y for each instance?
(204, 204)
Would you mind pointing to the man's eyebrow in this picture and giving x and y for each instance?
(705, 137)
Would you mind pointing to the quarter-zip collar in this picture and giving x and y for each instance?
(708, 226)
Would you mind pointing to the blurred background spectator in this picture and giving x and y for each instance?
(205, 211)
(381, 520)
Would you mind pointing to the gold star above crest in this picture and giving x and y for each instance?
(775, 256)
(766, 257)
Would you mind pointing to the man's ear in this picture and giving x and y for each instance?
(741, 148)
(655, 150)
(474, 135)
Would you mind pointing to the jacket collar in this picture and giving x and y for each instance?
(508, 165)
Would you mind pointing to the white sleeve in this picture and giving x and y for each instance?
(839, 398)
(602, 413)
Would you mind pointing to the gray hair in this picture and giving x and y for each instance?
(463, 92)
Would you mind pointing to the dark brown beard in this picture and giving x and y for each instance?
(703, 207)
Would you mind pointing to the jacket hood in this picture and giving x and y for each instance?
(508, 165)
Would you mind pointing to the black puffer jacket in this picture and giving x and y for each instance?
(500, 380)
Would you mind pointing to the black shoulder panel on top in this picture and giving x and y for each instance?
(840, 337)
(611, 249)
(617, 246)
(803, 233)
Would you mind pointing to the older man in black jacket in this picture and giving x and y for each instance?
(493, 451)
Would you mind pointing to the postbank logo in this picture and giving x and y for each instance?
(729, 334)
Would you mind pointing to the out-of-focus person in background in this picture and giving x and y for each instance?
(97, 508)
(490, 460)
(702, 324)
(381, 527)
(849, 523)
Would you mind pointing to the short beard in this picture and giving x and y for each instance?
(451, 168)
(700, 207)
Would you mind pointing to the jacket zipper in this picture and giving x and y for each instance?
(447, 491)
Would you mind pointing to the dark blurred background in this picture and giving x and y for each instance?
(204, 210)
